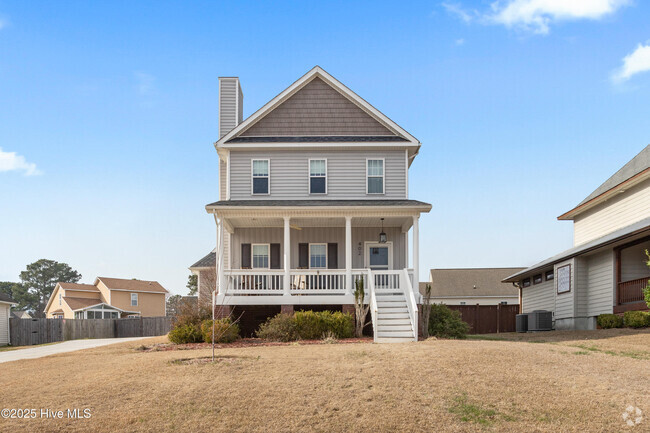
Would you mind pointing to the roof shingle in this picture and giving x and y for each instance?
(132, 285)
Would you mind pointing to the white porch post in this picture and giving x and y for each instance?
(221, 278)
(416, 254)
(287, 257)
(348, 255)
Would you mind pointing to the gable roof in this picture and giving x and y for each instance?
(131, 285)
(208, 261)
(21, 315)
(636, 170)
(305, 94)
(81, 303)
(77, 286)
(471, 282)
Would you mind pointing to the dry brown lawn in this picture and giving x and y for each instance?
(555, 382)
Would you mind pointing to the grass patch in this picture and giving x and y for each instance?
(626, 354)
(582, 352)
(468, 412)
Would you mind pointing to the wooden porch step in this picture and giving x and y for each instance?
(383, 321)
(394, 327)
(383, 315)
(395, 339)
(387, 304)
(396, 309)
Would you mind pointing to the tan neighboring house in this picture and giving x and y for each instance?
(5, 312)
(472, 286)
(107, 298)
(20, 315)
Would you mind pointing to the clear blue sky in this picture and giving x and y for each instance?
(108, 113)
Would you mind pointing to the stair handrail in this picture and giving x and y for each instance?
(411, 303)
(372, 300)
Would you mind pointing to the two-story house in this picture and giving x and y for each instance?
(605, 271)
(313, 196)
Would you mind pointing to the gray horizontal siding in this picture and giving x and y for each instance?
(564, 303)
(539, 297)
(346, 174)
(633, 262)
(600, 283)
(227, 105)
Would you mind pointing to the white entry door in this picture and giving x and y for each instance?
(379, 257)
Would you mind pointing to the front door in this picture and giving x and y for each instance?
(379, 257)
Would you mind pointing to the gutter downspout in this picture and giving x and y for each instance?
(521, 297)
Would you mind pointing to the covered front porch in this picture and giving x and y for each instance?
(632, 275)
(307, 255)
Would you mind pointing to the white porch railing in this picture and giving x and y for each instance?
(317, 281)
(386, 281)
(372, 299)
(254, 282)
(411, 302)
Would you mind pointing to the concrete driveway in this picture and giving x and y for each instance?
(63, 347)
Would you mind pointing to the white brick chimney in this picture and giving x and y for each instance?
(231, 101)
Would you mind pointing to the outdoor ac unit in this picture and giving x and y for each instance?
(522, 323)
(540, 320)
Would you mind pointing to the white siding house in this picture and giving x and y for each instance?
(5, 313)
(607, 264)
(313, 197)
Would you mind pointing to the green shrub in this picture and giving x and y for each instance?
(281, 327)
(307, 325)
(224, 331)
(636, 319)
(185, 333)
(607, 321)
(446, 323)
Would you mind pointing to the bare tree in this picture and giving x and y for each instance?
(426, 311)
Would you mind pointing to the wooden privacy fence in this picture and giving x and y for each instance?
(27, 332)
(488, 319)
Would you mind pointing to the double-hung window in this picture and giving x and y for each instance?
(375, 174)
(317, 176)
(260, 176)
(318, 256)
(260, 253)
(134, 299)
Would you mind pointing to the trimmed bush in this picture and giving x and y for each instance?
(607, 321)
(224, 331)
(446, 323)
(185, 333)
(281, 327)
(307, 325)
(636, 319)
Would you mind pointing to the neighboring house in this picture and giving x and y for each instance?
(472, 286)
(20, 315)
(205, 270)
(605, 271)
(5, 312)
(313, 196)
(107, 298)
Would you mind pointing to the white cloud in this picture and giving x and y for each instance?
(460, 41)
(144, 82)
(456, 9)
(538, 15)
(10, 161)
(636, 62)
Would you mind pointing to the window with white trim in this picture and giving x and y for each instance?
(260, 176)
(375, 173)
(134, 299)
(318, 256)
(317, 176)
(60, 299)
(260, 253)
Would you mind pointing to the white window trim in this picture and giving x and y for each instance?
(366, 253)
(310, 176)
(309, 254)
(383, 176)
(268, 176)
(136, 299)
(268, 248)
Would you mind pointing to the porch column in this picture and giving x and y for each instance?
(348, 255)
(416, 254)
(287, 257)
(221, 277)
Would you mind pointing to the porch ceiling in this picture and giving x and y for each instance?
(404, 222)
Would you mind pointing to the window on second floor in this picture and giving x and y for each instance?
(260, 176)
(134, 299)
(526, 282)
(537, 279)
(317, 176)
(375, 174)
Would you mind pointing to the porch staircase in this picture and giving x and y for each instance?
(394, 308)
(393, 321)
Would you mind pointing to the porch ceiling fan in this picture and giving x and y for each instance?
(295, 227)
